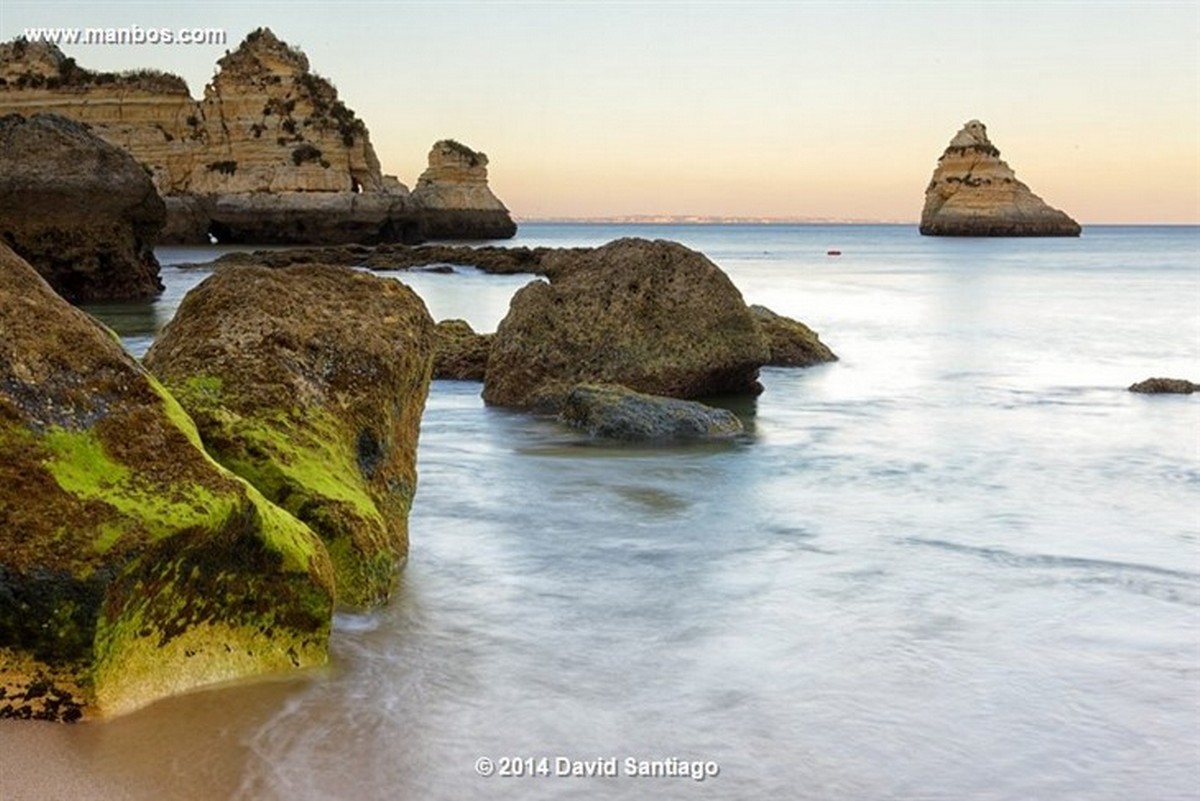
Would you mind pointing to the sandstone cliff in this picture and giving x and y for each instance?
(454, 196)
(269, 154)
(974, 193)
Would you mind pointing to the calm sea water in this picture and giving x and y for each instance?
(961, 563)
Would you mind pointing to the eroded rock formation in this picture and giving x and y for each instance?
(310, 382)
(974, 193)
(455, 199)
(269, 154)
(655, 317)
(80, 210)
(132, 566)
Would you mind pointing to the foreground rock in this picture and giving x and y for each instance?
(310, 383)
(460, 353)
(791, 343)
(131, 565)
(974, 193)
(269, 154)
(1157, 386)
(80, 210)
(610, 411)
(454, 197)
(652, 316)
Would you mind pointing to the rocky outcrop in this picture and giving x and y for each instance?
(652, 316)
(609, 411)
(791, 343)
(1157, 386)
(132, 566)
(974, 193)
(460, 353)
(80, 210)
(385, 257)
(310, 382)
(269, 141)
(454, 197)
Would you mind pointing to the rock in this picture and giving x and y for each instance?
(1156, 386)
(268, 127)
(310, 382)
(652, 316)
(392, 256)
(132, 566)
(615, 412)
(81, 211)
(460, 353)
(974, 193)
(454, 196)
(791, 342)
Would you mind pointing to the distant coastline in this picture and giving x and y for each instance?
(700, 219)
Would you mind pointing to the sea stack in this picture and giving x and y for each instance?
(974, 193)
(269, 155)
(455, 199)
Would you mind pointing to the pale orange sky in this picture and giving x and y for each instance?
(778, 109)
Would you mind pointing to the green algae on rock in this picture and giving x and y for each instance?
(132, 566)
(656, 317)
(310, 382)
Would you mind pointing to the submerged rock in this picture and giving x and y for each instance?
(80, 210)
(653, 316)
(615, 412)
(791, 342)
(310, 382)
(454, 197)
(461, 354)
(974, 193)
(132, 566)
(1158, 386)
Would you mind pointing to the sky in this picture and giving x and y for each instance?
(751, 109)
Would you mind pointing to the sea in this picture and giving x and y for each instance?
(962, 562)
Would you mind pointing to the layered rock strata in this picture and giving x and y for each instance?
(79, 209)
(309, 382)
(655, 317)
(974, 193)
(454, 197)
(269, 154)
(132, 566)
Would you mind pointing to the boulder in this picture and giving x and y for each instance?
(454, 197)
(1158, 386)
(611, 411)
(309, 382)
(460, 353)
(652, 316)
(791, 342)
(80, 210)
(132, 566)
(974, 193)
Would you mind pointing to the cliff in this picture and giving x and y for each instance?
(269, 154)
(974, 193)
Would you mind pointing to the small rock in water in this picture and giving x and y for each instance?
(615, 412)
(1165, 386)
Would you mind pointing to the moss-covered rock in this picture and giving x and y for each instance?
(614, 412)
(310, 382)
(132, 566)
(461, 354)
(652, 316)
(791, 342)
